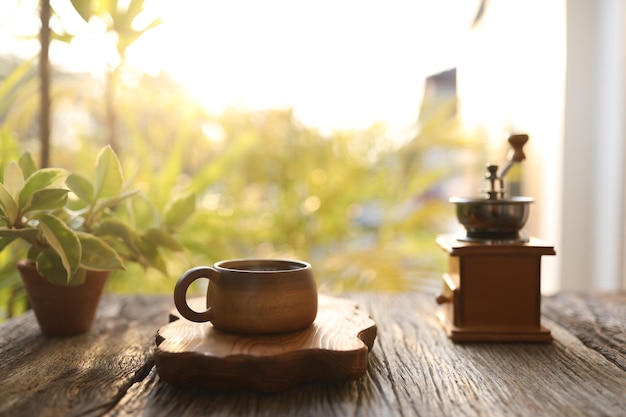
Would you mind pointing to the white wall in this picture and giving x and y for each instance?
(593, 152)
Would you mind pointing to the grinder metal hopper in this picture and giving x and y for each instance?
(493, 217)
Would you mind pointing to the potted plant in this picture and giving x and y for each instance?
(75, 235)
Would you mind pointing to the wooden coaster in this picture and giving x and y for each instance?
(335, 347)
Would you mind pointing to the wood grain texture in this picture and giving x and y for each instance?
(414, 369)
(80, 375)
(335, 347)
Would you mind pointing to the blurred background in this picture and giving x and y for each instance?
(333, 132)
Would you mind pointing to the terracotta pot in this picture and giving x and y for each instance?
(62, 311)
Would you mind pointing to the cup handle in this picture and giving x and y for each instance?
(180, 293)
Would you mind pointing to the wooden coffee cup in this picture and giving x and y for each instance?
(253, 296)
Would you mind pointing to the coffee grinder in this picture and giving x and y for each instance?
(491, 292)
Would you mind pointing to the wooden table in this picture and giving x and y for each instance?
(414, 370)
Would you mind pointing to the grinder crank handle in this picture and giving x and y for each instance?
(517, 141)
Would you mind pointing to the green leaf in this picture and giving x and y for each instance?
(79, 278)
(44, 178)
(13, 179)
(114, 201)
(83, 8)
(47, 199)
(27, 164)
(64, 241)
(160, 237)
(81, 186)
(6, 241)
(28, 233)
(50, 266)
(62, 36)
(121, 232)
(8, 205)
(33, 252)
(178, 211)
(109, 177)
(150, 254)
(97, 254)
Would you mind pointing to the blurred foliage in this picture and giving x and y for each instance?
(122, 20)
(361, 207)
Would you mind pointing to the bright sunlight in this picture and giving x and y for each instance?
(338, 64)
